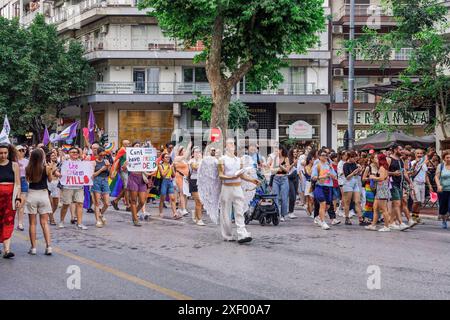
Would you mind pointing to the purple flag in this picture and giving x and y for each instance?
(68, 133)
(91, 126)
(46, 138)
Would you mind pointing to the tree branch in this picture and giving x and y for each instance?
(239, 73)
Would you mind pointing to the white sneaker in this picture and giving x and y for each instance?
(185, 213)
(61, 225)
(403, 227)
(48, 251)
(99, 224)
(325, 226)
(292, 216)
(104, 219)
(32, 251)
(384, 229)
(82, 227)
(411, 223)
(371, 227)
(201, 223)
(394, 226)
(316, 220)
(335, 222)
(320, 222)
(282, 219)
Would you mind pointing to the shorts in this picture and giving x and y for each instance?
(166, 187)
(69, 196)
(308, 189)
(124, 178)
(101, 185)
(55, 192)
(193, 185)
(136, 183)
(352, 185)
(419, 192)
(323, 194)
(38, 202)
(336, 193)
(23, 185)
(396, 193)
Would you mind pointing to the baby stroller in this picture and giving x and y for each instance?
(263, 207)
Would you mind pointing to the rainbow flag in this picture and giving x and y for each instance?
(66, 147)
(115, 185)
(110, 147)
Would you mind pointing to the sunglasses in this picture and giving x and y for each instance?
(21, 150)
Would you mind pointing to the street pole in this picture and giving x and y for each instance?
(351, 79)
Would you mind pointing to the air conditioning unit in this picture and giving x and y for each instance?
(104, 29)
(337, 29)
(338, 72)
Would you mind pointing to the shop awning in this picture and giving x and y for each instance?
(385, 140)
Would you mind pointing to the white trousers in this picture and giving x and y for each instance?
(232, 198)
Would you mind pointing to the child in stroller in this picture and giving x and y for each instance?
(263, 207)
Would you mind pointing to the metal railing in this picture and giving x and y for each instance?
(342, 97)
(403, 54)
(141, 87)
(365, 10)
(144, 44)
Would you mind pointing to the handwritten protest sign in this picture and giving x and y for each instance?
(77, 173)
(141, 159)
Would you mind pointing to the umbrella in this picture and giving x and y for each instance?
(385, 140)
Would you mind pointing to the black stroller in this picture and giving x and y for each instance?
(263, 206)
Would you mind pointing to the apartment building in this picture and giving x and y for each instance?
(367, 73)
(143, 78)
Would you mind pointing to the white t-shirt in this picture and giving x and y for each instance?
(340, 172)
(421, 175)
(231, 166)
(300, 167)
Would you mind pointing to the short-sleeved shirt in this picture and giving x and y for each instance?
(395, 166)
(321, 169)
(349, 168)
(421, 170)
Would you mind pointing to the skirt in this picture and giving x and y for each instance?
(7, 214)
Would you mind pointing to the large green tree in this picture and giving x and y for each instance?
(241, 38)
(39, 73)
(425, 83)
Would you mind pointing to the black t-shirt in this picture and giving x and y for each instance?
(349, 168)
(397, 165)
(98, 166)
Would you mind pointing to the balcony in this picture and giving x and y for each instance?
(397, 59)
(186, 91)
(342, 97)
(152, 45)
(365, 14)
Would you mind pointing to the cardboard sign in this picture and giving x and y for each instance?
(77, 173)
(141, 159)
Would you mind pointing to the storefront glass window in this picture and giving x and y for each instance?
(285, 120)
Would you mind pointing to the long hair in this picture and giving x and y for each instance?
(35, 168)
(291, 155)
(382, 161)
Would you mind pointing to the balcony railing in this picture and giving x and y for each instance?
(342, 97)
(192, 88)
(364, 10)
(404, 54)
(142, 44)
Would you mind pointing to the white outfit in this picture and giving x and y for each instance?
(419, 182)
(340, 171)
(232, 197)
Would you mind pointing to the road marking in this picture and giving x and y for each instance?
(120, 274)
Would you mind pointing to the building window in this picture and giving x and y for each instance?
(143, 125)
(197, 74)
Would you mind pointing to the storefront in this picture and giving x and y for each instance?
(413, 124)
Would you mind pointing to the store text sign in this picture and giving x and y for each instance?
(300, 130)
(77, 173)
(416, 118)
(141, 159)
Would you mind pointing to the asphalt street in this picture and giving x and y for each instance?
(168, 259)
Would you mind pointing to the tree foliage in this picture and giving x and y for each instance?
(425, 82)
(39, 73)
(239, 114)
(241, 38)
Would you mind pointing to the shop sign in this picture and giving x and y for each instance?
(417, 118)
(300, 130)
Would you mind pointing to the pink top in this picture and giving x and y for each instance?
(22, 165)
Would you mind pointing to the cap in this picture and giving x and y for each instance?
(20, 147)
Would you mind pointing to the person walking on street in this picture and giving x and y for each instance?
(10, 197)
(38, 174)
(119, 161)
(442, 179)
(100, 188)
(166, 174)
(23, 162)
(194, 164)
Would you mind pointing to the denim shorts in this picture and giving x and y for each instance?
(23, 184)
(323, 194)
(100, 185)
(351, 185)
(166, 187)
(336, 193)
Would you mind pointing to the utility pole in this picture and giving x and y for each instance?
(351, 79)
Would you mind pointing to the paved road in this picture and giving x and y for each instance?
(168, 259)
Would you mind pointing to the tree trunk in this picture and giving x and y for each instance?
(221, 96)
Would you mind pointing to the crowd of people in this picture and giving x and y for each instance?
(386, 187)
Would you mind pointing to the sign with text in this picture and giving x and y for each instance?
(141, 159)
(300, 130)
(77, 173)
(417, 118)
